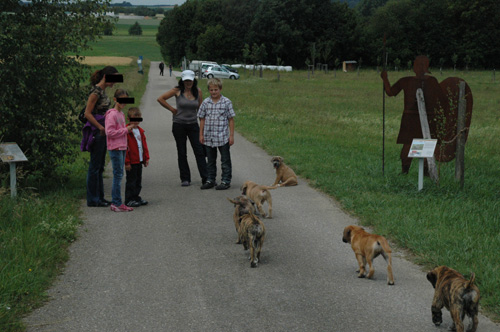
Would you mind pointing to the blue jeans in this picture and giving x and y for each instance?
(95, 186)
(118, 161)
(181, 133)
(225, 163)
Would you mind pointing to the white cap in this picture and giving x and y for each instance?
(188, 75)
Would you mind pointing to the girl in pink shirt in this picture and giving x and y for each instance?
(116, 138)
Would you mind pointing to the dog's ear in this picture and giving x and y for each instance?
(347, 235)
(432, 277)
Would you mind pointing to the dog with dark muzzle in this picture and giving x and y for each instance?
(457, 294)
(285, 176)
(367, 247)
(242, 205)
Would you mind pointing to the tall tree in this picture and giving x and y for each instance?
(211, 43)
(473, 34)
(287, 28)
(135, 30)
(41, 83)
(224, 20)
(438, 29)
(178, 31)
(368, 7)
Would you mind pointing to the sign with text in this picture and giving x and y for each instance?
(422, 148)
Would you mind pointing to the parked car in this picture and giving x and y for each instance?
(228, 67)
(196, 65)
(204, 66)
(219, 72)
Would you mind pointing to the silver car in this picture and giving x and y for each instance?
(219, 72)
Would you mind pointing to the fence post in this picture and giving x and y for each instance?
(311, 70)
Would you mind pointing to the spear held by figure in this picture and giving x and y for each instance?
(383, 107)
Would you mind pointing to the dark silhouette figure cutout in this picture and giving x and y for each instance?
(410, 127)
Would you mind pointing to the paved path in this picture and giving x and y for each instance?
(174, 266)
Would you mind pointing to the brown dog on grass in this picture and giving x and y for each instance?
(242, 205)
(459, 295)
(259, 194)
(367, 247)
(252, 233)
(285, 176)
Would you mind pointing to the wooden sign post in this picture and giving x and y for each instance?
(426, 133)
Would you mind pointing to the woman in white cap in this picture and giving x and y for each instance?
(188, 98)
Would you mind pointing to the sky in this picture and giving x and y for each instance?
(151, 2)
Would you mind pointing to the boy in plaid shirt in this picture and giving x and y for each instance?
(216, 116)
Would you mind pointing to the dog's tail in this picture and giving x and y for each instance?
(470, 283)
(257, 231)
(470, 297)
(269, 187)
(386, 249)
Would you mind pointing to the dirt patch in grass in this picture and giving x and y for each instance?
(107, 60)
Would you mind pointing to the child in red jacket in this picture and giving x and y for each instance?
(137, 155)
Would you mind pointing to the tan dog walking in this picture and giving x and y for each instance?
(367, 247)
(259, 194)
(459, 295)
(285, 176)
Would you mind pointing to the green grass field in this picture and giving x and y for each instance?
(121, 44)
(330, 131)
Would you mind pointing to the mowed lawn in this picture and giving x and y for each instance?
(122, 44)
(329, 130)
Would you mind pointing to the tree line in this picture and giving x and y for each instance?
(138, 10)
(452, 33)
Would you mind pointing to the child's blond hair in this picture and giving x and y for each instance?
(134, 112)
(214, 81)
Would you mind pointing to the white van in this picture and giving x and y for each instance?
(195, 65)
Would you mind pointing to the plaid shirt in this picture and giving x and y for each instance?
(216, 115)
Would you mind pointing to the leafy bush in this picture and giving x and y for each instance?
(40, 103)
(135, 30)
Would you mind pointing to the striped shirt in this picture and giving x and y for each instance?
(216, 115)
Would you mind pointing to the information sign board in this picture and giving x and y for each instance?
(11, 153)
(422, 148)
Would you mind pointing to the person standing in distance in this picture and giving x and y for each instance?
(162, 66)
